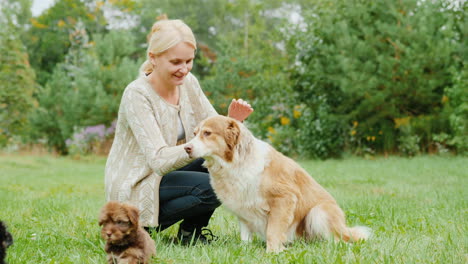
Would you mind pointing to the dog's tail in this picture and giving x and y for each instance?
(327, 220)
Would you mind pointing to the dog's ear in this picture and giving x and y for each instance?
(232, 138)
(133, 214)
(102, 215)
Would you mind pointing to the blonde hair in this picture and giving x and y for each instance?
(164, 35)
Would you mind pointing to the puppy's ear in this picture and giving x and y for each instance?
(102, 215)
(133, 214)
(232, 138)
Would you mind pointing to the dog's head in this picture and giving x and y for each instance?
(6, 239)
(215, 136)
(118, 221)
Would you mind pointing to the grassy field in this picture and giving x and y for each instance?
(417, 208)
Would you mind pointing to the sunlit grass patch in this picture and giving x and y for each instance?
(417, 209)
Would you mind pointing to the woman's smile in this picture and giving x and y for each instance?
(175, 63)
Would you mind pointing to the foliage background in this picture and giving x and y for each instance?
(326, 78)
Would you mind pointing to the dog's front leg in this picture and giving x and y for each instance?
(279, 220)
(245, 232)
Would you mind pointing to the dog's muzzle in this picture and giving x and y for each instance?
(188, 148)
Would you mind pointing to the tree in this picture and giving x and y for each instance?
(17, 84)
(85, 89)
(366, 68)
(48, 40)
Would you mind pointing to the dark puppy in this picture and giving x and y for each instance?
(127, 241)
(6, 240)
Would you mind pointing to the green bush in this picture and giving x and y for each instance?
(88, 140)
(48, 39)
(372, 63)
(85, 90)
(457, 109)
(263, 84)
(408, 141)
(17, 85)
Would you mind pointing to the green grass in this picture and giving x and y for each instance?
(416, 207)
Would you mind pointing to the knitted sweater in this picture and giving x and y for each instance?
(145, 144)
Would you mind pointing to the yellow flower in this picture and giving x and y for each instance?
(355, 123)
(99, 4)
(36, 24)
(271, 130)
(368, 138)
(61, 23)
(401, 121)
(373, 138)
(285, 121)
(91, 16)
(444, 99)
(353, 132)
(296, 113)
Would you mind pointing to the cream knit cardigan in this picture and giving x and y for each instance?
(145, 144)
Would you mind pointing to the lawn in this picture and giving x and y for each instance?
(416, 207)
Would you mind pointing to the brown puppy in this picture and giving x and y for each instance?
(269, 193)
(127, 241)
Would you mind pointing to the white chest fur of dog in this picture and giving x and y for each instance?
(238, 188)
(269, 193)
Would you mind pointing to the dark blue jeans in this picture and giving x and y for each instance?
(186, 194)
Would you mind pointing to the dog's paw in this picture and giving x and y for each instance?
(275, 249)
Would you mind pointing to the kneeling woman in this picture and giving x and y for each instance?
(147, 164)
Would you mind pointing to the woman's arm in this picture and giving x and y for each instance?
(141, 119)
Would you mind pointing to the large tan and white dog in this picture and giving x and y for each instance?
(269, 192)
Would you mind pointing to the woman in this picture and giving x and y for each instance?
(147, 164)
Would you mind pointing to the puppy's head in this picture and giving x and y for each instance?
(118, 222)
(6, 239)
(215, 136)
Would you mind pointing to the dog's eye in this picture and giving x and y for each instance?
(206, 133)
(123, 223)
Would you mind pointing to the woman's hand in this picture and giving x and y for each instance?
(239, 109)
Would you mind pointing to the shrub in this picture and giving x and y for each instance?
(373, 63)
(85, 90)
(457, 109)
(264, 84)
(408, 141)
(88, 140)
(48, 39)
(17, 85)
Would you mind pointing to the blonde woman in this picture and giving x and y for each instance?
(147, 164)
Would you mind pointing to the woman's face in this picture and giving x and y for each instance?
(174, 64)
